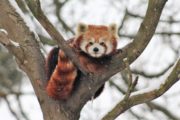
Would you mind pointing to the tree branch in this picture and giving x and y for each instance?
(131, 83)
(21, 108)
(151, 105)
(144, 74)
(145, 97)
(59, 5)
(163, 110)
(11, 110)
(142, 17)
(156, 33)
(35, 8)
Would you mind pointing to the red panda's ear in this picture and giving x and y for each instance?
(113, 29)
(82, 28)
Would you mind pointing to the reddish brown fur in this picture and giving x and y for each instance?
(76, 43)
(114, 41)
(60, 83)
(62, 79)
(96, 32)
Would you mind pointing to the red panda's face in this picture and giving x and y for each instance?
(96, 41)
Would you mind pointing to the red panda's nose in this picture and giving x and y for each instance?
(96, 49)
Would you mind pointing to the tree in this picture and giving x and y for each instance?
(24, 45)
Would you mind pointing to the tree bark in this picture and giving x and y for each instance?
(28, 57)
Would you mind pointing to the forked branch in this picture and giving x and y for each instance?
(140, 98)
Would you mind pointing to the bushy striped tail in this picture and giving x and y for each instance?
(61, 81)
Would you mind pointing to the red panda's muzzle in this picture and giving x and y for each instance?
(96, 50)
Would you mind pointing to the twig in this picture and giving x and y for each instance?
(135, 115)
(131, 83)
(3, 94)
(20, 108)
(142, 17)
(59, 6)
(122, 23)
(131, 88)
(163, 110)
(156, 33)
(11, 110)
(117, 87)
(142, 73)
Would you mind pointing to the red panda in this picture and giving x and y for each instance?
(95, 44)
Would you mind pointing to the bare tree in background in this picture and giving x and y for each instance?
(25, 46)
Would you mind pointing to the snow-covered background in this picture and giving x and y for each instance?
(159, 54)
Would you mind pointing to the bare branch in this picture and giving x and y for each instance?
(142, 73)
(156, 33)
(137, 116)
(151, 105)
(131, 83)
(3, 94)
(117, 87)
(20, 108)
(10, 108)
(147, 96)
(163, 110)
(122, 23)
(59, 5)
(142, 17)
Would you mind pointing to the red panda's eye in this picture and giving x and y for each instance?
(91, 43)
(101, 43)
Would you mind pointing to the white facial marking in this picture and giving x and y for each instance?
(100, 50)
(89, 46)
(83, 45)
(109, 47)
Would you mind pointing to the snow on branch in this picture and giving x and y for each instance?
(5, 40)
